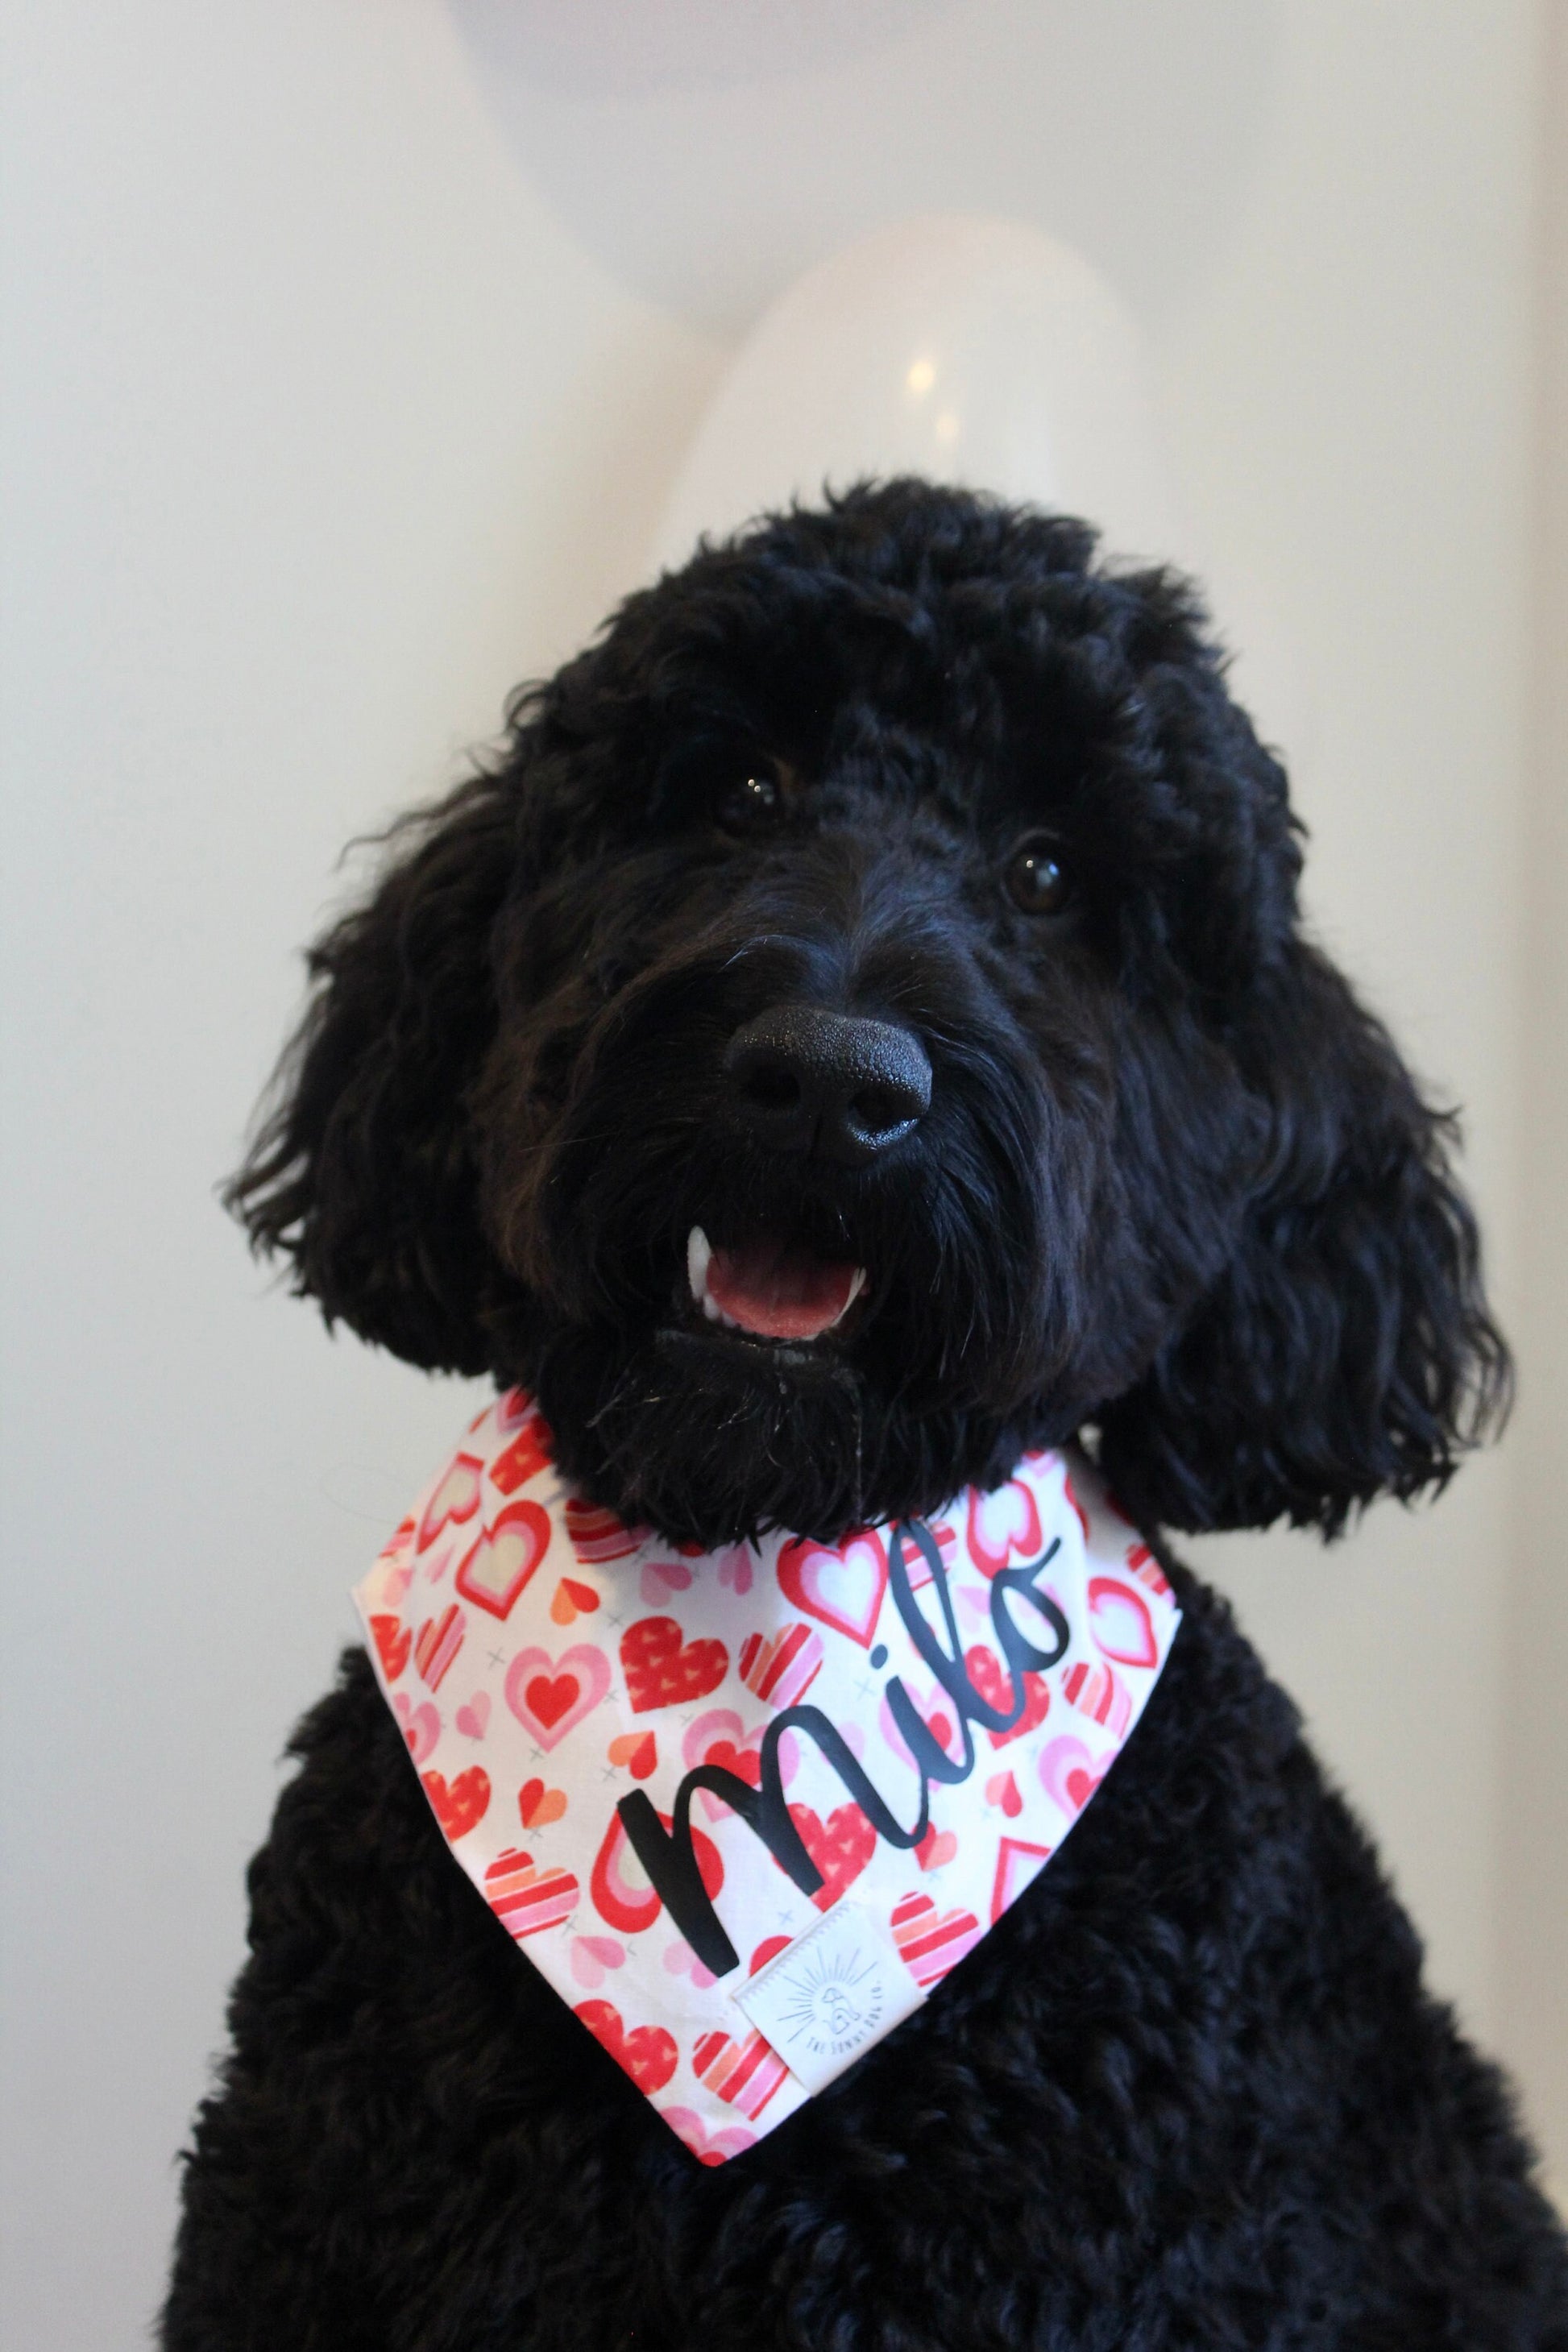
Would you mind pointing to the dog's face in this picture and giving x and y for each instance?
(861, 1031)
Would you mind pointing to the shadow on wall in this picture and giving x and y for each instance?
(706, 151)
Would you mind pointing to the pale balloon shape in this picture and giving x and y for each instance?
(970, 351)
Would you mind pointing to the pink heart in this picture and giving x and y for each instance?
(473, 1714)
(841, 1586)
(660, 1578)
(421, 1725)
(718, 1723)
(682, 1962)
(550, 1697)
(715, 2147)
(721, 1738)
(1067, 1774)
(592, 1954)
(1006, 1521)
(736, 1569)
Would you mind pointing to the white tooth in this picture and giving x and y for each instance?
(698, 1253)
(856, 1288)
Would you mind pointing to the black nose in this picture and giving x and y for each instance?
(805, 1080)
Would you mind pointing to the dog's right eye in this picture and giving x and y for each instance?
(1038, 878)
(749, 802)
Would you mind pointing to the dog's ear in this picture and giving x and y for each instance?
(363, 1172)
(1345, 1351)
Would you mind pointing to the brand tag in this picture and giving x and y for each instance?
(839, 1987)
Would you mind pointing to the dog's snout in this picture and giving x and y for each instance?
(807, 1080)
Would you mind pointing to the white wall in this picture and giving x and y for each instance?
(349, 362)
(1533, 1944)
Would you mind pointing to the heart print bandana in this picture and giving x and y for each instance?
(745, 1808)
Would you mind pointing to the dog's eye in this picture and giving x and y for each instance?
(1038, 880)
(749, 802)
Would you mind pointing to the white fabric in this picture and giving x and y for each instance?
(558, 1677)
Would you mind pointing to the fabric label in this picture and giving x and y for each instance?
(836, 1990)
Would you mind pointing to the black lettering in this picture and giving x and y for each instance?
(1022, 1655)
(670, 1857)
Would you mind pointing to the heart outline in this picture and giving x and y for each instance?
(802, 1565)
(522, 1524)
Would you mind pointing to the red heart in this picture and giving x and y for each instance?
(437, 1642)
(393, 1641)
(745, 2074)
(936, 1847)
(1003, 1790)
(931, 1943)
(840, 1846)
(460, 1806)
(1081, 1785)
(637, 1750)
(550, 1697)
(745, 1762)
(529, 1897)
(540, 1805)
(995, 1687)
(661, 1672)
(525, 1457)
(573, 1601)
(597, 1535)
(647, 2053)
(621, 1893)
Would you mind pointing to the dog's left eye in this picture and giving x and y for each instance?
(1038, 880)
(749, 802)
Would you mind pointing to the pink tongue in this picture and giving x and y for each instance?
(778, 1291)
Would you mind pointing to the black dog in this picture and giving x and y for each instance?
(893, 888)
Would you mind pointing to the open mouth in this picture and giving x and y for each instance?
(771, 1289)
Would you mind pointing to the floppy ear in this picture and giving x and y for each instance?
(1345, 1351)
(363, 1172)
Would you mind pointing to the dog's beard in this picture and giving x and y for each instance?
(713, 1441)
(709, 1442)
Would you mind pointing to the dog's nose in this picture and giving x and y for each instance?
(810, 1081)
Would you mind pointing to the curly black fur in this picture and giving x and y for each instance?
(1174, 1191)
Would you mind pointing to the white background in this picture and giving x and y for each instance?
(352, 346)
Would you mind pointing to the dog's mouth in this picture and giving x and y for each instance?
(772, 1288)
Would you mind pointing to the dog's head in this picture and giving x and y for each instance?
(860, 1030)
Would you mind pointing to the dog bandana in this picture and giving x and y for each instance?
(745, 1808)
